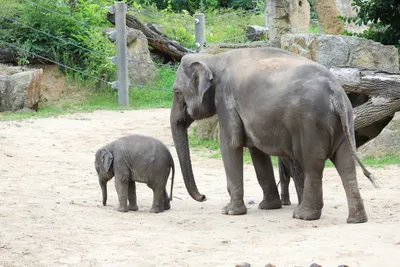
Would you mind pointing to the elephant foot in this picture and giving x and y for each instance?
(270, 204)
(358, 217)
(122, 209)
(307, 214)
(285, 200)
(156, 209)
(167, 206)
(133, 207)
(232, 209)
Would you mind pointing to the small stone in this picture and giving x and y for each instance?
(251, 202)
(343, 265)
(243, 264)
(270, 265)
(315, 265)
(72, 202)
(84, 201)
(58, 202)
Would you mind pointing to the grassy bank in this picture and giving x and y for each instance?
(210, 148)
(155, 95)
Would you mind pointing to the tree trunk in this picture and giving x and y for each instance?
(170, 49)
(6, 56)
(375, 96)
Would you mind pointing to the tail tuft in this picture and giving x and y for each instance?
(375, 182)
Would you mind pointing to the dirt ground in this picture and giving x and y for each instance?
(51, 212)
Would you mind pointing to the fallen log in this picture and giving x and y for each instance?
(375, 96)
(170, 49)
(255, 32)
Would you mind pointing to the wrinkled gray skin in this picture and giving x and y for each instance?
(275, 103)
(136, 158)
(290, 168)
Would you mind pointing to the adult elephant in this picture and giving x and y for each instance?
(275, 103)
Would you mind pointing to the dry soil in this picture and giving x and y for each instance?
(51, 212)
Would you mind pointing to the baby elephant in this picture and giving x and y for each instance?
(136, 158)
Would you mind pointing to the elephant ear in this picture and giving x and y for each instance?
(106, 158)
(202, 78)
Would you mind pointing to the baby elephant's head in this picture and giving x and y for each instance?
(104, 168)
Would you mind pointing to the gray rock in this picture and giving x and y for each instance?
(343, 51)
(387, 142)
(141, 68)
(243, 264)
(315, 265)
(20, 88)
(331, 50)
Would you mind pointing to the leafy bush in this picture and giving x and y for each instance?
(383, 17)
(60, 20)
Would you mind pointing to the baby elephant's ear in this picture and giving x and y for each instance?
(106, 158)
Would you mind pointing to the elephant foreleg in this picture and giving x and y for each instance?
(284, 178)
(265, 176)
(233, 164)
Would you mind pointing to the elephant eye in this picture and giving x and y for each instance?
(179, 95)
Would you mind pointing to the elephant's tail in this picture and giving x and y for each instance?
(172, 178)
(341, 111)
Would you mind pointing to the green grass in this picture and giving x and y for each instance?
(155, 95)
(210, 148)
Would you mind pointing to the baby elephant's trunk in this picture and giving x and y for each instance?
(103, 186)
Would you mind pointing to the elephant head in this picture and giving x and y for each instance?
(105, 171)
(193, 100)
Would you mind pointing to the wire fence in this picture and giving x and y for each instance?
(220, 28)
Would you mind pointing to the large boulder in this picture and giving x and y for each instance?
(20, 88)
(141, 69)
(286, 16)
(343, 51)
(387, 142)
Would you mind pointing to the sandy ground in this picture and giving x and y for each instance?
(51, 212)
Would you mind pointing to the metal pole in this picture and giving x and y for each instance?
(122, 57)
(199, 31)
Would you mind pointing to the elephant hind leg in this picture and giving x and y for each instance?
(121, 185)
(345, 165)
(265, 176)
(159, 191)
(312, 203)
(132, 196)
(167, 204)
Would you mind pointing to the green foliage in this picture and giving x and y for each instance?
(383, 17)
(63, 24)
(194, 5)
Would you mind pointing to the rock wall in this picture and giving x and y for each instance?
(286, 16)
(20, 88)
(341, 51)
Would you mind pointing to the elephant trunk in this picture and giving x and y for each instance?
(103, 185)
(180, 137)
